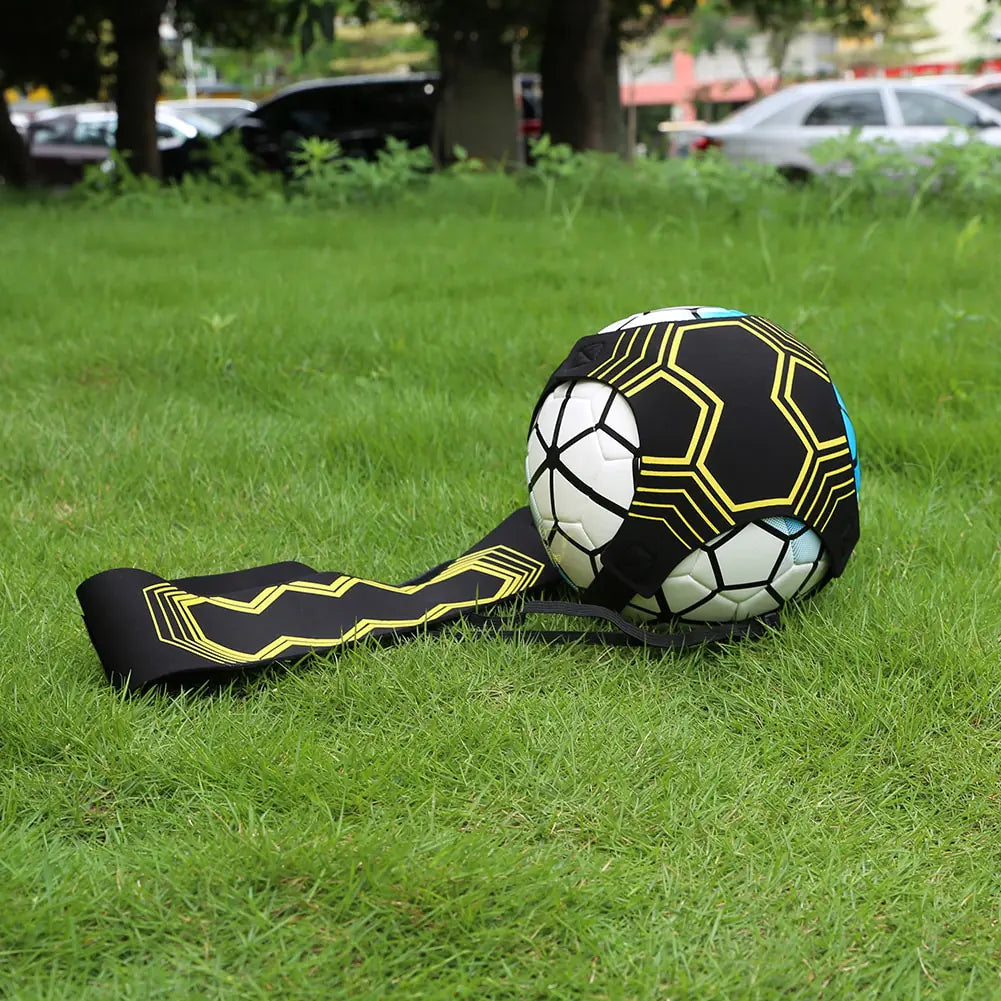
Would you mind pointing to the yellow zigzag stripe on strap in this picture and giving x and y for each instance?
(171, 608)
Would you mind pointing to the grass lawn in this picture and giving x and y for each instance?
(196, 389)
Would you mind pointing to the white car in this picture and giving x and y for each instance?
(782, 129)
(62, 143)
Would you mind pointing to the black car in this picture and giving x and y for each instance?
(360, 112)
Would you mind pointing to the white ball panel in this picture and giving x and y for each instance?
(687, 565)
(595, 395)
(620, 417)
(533, 507)
(760, 604)
(577, 533)
(611, 449)
(683, 592)
(545, 419)
(619, 324)
(610, 478)
(816, 577)
(642, 609)
(697, 566)
(716, 609)
(748, 555)
(669, 313)
(574, 563)
(576, 418)
(739, 594)
(541, 498)
(784, 565)
(535, 455)
(568, 501)
(598, 524)
(789, 582)
(622, 420)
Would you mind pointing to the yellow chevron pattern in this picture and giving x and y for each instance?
(683, 491)
(175, 612)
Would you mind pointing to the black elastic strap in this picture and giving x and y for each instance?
(629, 634)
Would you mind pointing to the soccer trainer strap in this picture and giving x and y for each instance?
(148, 630)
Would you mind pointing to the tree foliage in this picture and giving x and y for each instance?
(731, 24)
(891, 41)
(57, 44)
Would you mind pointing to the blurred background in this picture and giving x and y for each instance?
(159, 79)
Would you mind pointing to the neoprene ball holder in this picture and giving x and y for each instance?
(737, 425)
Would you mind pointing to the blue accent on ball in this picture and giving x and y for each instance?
(852, 445)
(806, 546)
(713, 312)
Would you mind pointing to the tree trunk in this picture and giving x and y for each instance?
(573, 78)
(745, 68)
(779, 44)
(615, 136)
(137, 43)
(15, 167)
(476, 109)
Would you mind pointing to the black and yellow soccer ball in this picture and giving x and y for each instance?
(694, 463)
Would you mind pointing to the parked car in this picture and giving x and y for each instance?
(782, 129)
(528, 100)
(359, 112)
(62, 144)
(987, 89)
(221, 110)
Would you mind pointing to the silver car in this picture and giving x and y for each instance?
(783, 128)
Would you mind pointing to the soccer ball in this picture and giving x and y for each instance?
(585, 469)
